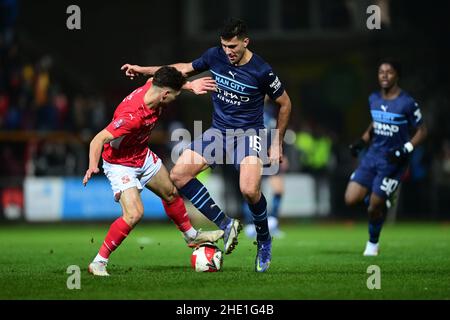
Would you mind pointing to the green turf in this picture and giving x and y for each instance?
(313, 261)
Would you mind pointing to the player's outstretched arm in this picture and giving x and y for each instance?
(134, 70)
(95, 151)
(201, 85)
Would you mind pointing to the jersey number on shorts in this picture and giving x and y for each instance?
(255, 143)
(389, 185)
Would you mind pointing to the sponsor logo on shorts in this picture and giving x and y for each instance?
(125, 179)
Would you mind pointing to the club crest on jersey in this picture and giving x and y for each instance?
(118, 123)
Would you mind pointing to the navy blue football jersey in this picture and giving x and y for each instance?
(239, 100)
(392, 120)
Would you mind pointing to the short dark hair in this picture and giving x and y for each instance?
(233, 27)
(170, 77)
(393, 62)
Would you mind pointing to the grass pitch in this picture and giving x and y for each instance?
(313, 261)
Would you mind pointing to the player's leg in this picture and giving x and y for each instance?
(175, 209)
(361, 182)
(133, 210)
(355, 193)
(377, 214)
(247, 215)
(384, 185)
(183, 174)
(358, 189)
(250, 186)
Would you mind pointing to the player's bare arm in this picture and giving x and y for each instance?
(95, 152)
(420, 135)
(357, 146)
(133, 70)
(201, 85)
(285, 105)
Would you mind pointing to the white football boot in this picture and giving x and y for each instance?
(371, 249)
(204, 236)
(98, 268)
(230, 237)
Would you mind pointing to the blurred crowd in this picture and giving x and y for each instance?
(30, 99)
(33, 104)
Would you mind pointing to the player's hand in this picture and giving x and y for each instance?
(399, 155)
(357, 147)
(131, 70)
(275, 154)
(89, 174)
(203, 85)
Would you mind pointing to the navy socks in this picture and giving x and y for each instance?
(197, 193)
(259, 213)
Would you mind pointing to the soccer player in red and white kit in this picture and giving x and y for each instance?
(130, 165)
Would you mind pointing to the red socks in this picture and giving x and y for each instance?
(118, 231)
(176, 211)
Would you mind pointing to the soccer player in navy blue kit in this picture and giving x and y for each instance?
(394, 113)
(243, 79)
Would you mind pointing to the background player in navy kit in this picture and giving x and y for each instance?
(394, 112)
(243, 79)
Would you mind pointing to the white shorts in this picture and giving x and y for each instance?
(123, 177)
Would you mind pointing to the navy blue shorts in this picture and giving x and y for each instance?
(378, 175)
(232, 146)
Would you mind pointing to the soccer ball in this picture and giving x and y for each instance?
(207, 257)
